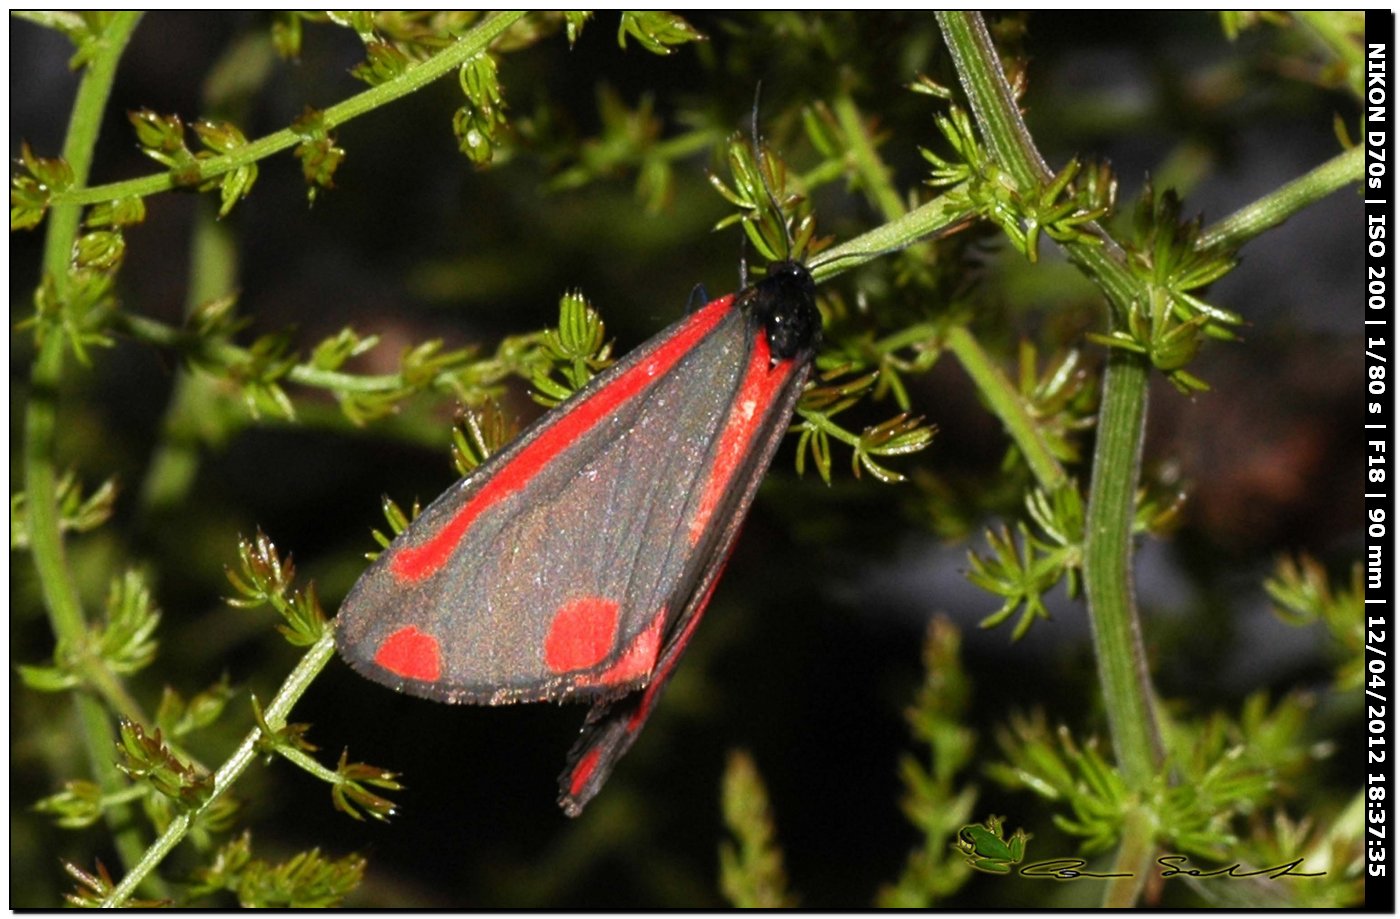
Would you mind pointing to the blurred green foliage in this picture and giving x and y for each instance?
(357, 252)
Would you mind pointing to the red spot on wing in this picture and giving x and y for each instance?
(760, 386)
(411, 653)
(635, 662)
(413, 563)
(581, 635)
(584, 771)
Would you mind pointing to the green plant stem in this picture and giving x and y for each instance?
(275, 716)
(1108, 577)
(61, 599)
(167, 336)
(1006, 403)
(1108, 570)
(942, 213)
(993, 103)
(310, 765)
(1134, 859)
(1277, 206)
(477, 40)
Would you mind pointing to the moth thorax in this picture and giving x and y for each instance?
(785, 303)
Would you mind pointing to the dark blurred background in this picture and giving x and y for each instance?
(810, 650)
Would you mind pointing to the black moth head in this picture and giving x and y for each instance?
(785, 302)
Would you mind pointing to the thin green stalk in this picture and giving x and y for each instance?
(468, 46)
(1108, 569)
(163, 335)
(1006, 403)
(1277, 206)
(1133, 860)
(993, 103)
(275, 716)
(60, 593)
(942, 213)
(1010, 142)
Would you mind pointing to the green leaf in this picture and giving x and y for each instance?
(477, 434)
(383, 62)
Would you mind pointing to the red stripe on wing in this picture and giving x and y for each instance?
(414, 563)
(761, 385)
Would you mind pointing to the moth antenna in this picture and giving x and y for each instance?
(760, 158)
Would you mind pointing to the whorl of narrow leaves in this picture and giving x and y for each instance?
(351, 794)
(93, 889)
(1171, 321)
(1062, 208)
(350, 782)
(146, 757)
(398, 522)
(162, 138)
(123, 643)
(81, 314)
(478, 123)
(577, 349)
(319, 155)
(751, 865)
(179, 717)
(1023, 571)
(126, 641)
(1020, 571)
(1055, 766)
(477, 434)
(266, 579)
(78, 805)
(32, 189)
(1062, 399)
(76, 513)
(832, 395)
(778, 222)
